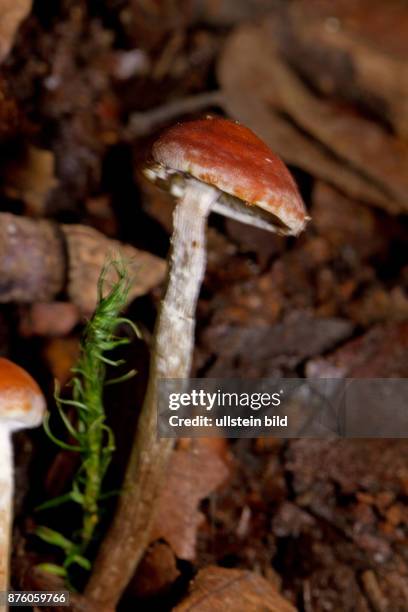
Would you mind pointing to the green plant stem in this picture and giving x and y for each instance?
(94, 439)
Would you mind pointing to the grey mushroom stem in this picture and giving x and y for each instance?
(128, 537)
(6, 496)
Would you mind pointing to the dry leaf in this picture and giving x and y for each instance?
(346, 150)
(354, 50)
(12, 13)
(35, 262)
(193, 474)
(88, 250)
(232, 590)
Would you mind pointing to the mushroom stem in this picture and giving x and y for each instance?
(6, 494)
(128, 536)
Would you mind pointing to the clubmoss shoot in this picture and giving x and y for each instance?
(91, 437)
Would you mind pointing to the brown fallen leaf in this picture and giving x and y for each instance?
(232, 590)
(354, 50)
(193, 474)
(365, 145)
(12, 13)
(39, 259)
(263, 92)
(88, 250)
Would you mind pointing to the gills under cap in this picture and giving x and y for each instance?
(231, 157)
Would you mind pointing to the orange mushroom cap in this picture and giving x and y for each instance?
(231, 157)
(22, 403)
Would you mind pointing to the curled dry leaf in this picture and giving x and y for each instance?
(355, 154)
(12, 13)
(87, 253)
(232, 590)
(345, 49)
(194, 473)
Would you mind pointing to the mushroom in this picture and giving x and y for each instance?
(210, 164)
(22, 405)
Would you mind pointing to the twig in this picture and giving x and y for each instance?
(373, 591)
(141, 124)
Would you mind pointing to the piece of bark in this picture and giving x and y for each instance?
(12, 13)
(232, 590)
(264, 93)
(39, 259)
(355, 51)
(88, 250)
(32, 260)
(193, 474)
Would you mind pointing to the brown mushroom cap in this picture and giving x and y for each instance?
(231, 157)
(21, 402)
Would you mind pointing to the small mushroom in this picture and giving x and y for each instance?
(210, 164)
(22, 405)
